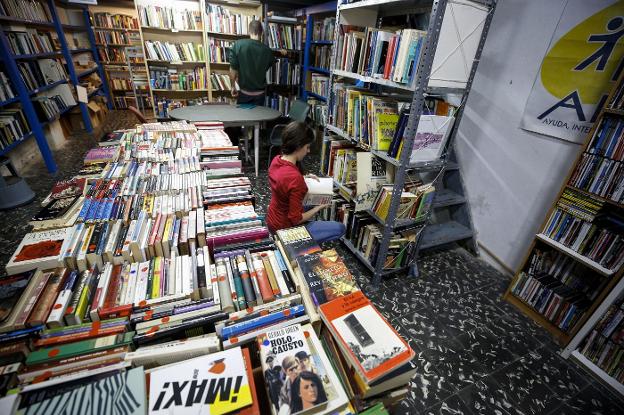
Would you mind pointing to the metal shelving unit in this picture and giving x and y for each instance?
(451, 196)
(310, 13)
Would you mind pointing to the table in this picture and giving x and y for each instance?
(230, 116)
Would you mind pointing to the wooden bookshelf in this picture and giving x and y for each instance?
(613, 276)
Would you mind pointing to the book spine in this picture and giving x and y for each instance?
(238, 284)
(270, 274)
(243, 271)
(43, 307)
(263, 280)
(225, 294)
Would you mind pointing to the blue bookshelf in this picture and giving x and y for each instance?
(320, 11)
(24, 95)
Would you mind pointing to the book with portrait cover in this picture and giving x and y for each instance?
(294, 377)
(12, 290)
(297, 242)
(210, 385)
(38, 250)
(326, 275)
(370, 344)
(122, 393)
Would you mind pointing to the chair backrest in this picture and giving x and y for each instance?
(298, 111)
(138, 114)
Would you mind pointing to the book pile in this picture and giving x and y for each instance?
(61, 207)
(221, 20)
(284, 36)
(324, 30)
(6, 90)
(30, 42)
(174, 52)
(117, 21)
(319, 84)
(41, 72)
(284, 72)
(604, 345)
(380, 54)
(26, 9)
(221, 82)
(163, 17)
(322, 57)
(13, 126)
(557, 287)
(178, 80)
(582, 223)
(279, 102)
(167, 277)
(600, 170)
(414, 204)
(219, 50)
(106, 37)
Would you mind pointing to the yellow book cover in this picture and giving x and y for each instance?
(384, 130)
(156, 280)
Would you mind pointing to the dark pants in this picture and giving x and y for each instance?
(250, 99)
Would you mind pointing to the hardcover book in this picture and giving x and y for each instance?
(371, 345)
(294, 377)
(297, 242)
(38, 250)
(320, 191)
(326, 276)
(11, 290)
(217, 384)
(430, 140)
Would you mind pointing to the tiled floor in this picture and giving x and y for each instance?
(476, 353)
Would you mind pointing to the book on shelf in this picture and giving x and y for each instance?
(219, 50)
(29, 10)
(218, 384)
(13, 126)
(284, 36)
(284, 72)
(220, 19)
(117, 20)
(30, 42)
(174, 52)
(323, 30)
(174, 18)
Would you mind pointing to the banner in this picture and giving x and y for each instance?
(583, 59)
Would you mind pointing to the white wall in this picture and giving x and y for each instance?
(512, 176)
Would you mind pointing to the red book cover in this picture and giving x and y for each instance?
(389, 57)
(371, 345)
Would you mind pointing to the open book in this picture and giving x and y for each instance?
(320, 191)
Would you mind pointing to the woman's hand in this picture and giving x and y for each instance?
(313, 177)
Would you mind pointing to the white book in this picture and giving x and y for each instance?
(277, 271)
(111, 243)
(320, 191)
(430, 140)
(100, 291)
(81, 258)
(27, 256)
(142, 279)
(172, 352)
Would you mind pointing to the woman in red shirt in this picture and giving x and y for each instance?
(288, 188)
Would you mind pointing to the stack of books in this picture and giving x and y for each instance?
(163, 17)
(13, 126)
(284, 72)
(324, 30)
(6, 90)
(167, 277)
(582, 223)
(221, 20)
(219, 50)
(380, 54)
(26, 9)
(180, 52)
(413, 204)
(48, 107)
(600, 170)
(221, 82)
(603, 346)
(114, 21)
(284, 36)
(557, 287)
(30, 42)
(178, 79)
(105, 37)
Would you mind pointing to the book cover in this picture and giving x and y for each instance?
(430, 140)
(326, 275)
(370, 344)
(294, 377)
(320, 191)
(297, 242)
(38, 250)
(11, 290)
(56, 209)
(122, 393)
(217, 384)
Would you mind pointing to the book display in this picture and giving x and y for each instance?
(575, 260)
(389, 200)
(151, 269)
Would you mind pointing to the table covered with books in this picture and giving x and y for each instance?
(150, 284)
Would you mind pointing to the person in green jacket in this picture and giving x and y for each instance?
(249, 61)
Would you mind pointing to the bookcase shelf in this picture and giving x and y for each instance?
(169, 30)
(81, 50)
(346, 191)
(87, 72)
(370, 79)
(317, 96)
(322, 42)
(597, 371)
(380, 4)
(27, 22)
(447, 197)
(9, 101)
(38, 55)
(364, 260)
(47, 87)
(444, 233)
(319, 70)
(15, 143)
(585, 312)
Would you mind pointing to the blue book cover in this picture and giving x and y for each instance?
(414, 65)
(85, 209)
(264, 321)
(595, 148)
(615, 139)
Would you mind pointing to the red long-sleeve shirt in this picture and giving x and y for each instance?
(287, 192)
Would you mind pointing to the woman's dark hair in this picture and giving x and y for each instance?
(296, 404)
(296, 135)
